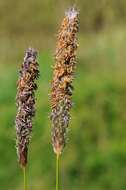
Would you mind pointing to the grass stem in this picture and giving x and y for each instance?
(25, 178)
(57, 172)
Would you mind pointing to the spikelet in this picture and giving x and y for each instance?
(25, 101)
(61, 91)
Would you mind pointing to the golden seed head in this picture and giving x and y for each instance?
(63, 75)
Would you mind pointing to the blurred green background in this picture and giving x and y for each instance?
(95, 156)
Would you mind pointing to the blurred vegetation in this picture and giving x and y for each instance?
(95, 156)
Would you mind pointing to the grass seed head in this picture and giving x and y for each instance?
(63, 74)
(25, 101)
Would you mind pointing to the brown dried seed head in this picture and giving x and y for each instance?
(25, 101)
(62, 88)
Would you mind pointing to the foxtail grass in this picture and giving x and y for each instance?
(25, 101)
(61, 87)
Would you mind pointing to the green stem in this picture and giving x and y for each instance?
(57, 172)
(25, 180)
